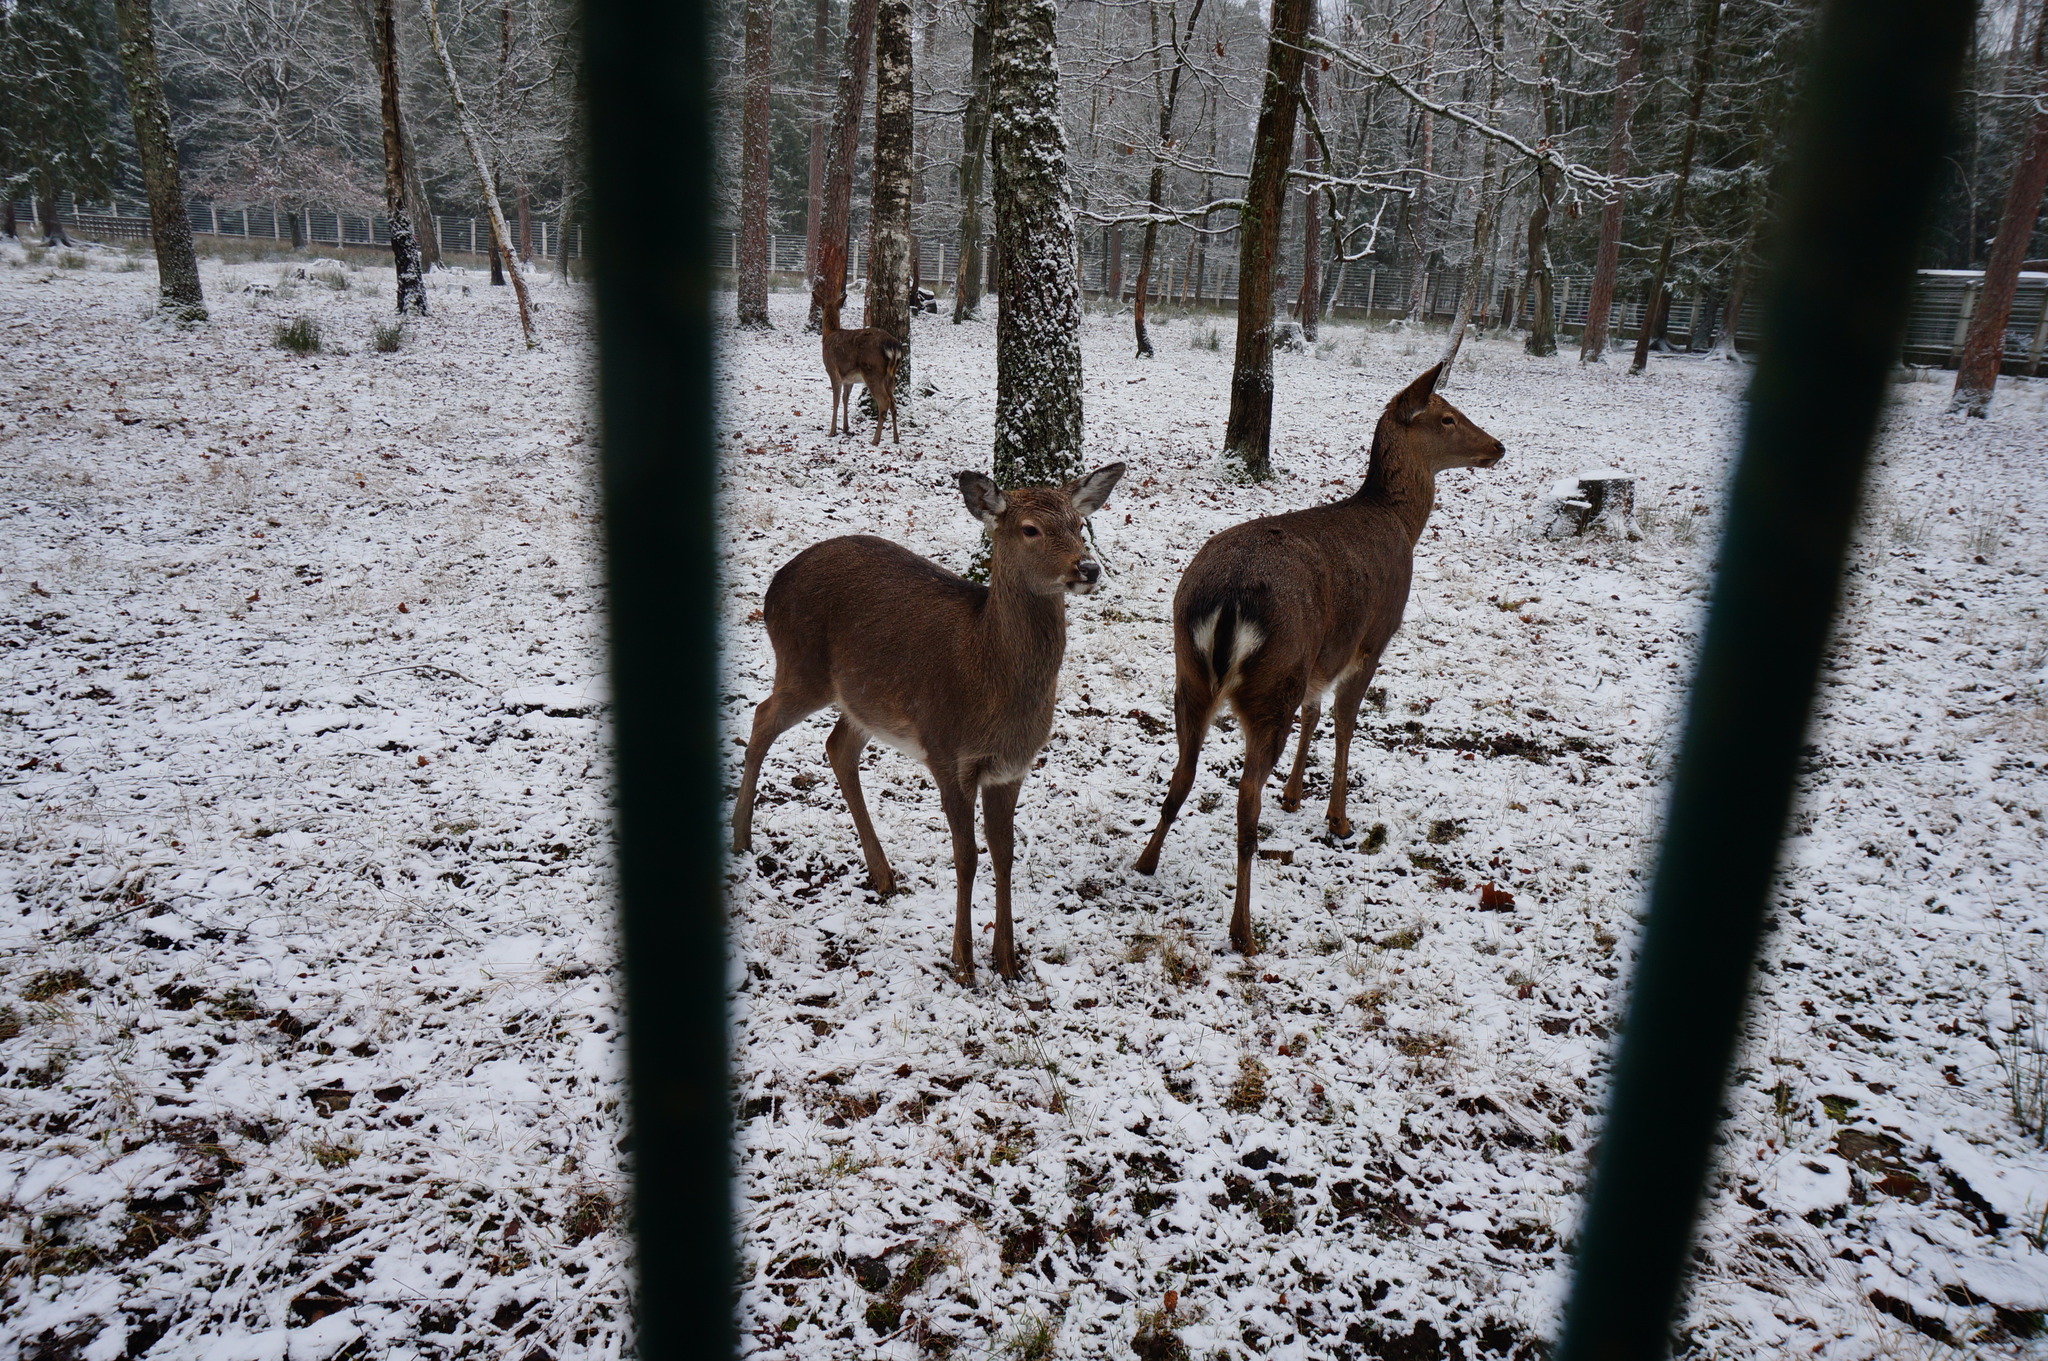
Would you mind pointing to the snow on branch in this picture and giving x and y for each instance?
(1584, 176)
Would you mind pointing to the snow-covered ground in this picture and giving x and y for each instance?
(310, 1031)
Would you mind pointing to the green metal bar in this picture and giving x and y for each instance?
(650, 160)
(1862, 185)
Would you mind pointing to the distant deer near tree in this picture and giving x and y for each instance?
(1273, 614)
(960, 676)
(868, 355)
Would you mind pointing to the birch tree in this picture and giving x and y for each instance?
(1038, 298)
(472, 140)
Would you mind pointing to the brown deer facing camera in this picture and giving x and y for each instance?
(1273, 614)
(869, 355)
(958, 675)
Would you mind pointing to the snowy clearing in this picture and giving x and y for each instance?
(309, 1030)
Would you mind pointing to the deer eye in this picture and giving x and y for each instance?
(1450, 420)
(1031, 531)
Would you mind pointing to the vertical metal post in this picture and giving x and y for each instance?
(1862, 184)
(650, 159)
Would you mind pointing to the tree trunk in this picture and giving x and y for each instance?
(405, 245)
(1038, 298)
(1702, 71)
(828, 284)
(1607, 262)
(1542, 282)
(1419, 246)
(753, 261)
(1156, 189)
(501, 242)
(1208, 196)
(973, 156)
(889, 205)
(1249, 435)
(820, 97)
(1309, 303)
(416, 195)
(1487, 213)
(562, 228)
(177, 268)
(53, 226)
(497, 266)
(1984, 346)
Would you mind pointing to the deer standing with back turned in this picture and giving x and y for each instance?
(1275, 613)
(960, 676)
(868, 355)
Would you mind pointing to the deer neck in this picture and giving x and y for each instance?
(1023, 636)
(1400, 482)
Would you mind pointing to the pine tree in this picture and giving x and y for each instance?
(1038, 298)
(53, 120)
(177, 269)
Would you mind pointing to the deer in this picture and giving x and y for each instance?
(1273, 614)
(868, 355)
(958, 675)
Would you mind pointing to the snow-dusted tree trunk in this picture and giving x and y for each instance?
(1984, 343)
(501, 238)
(1419, 246)
(1702, 71)
(1542, 300)
(973, 160)
(1488, 213)
(842, 146)
(752, 303)
(889, 206)
(177, 268)
(1038, 298)
(405, 243)
(1309, 301)
(820, 102)
(1248, 436)
(1607, 260)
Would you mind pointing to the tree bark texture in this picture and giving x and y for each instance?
(1607, 260)
(889, 205)
(1702, 71)
(828, 284)
(1984, 344)
(973, 160)
(1542, 341)
(177, 268)
(1038, 297)
(1487, 214)
(1156, 188)
(1416, 210)
(501, 237)
(821, 66)
(1309, 303)
(405, 244)
(1249, 435)
(752, 304)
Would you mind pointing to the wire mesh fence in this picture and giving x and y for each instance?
(543, 237)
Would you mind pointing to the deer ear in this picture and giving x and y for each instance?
(1091, 491)
(1409, 401)
(984, 500)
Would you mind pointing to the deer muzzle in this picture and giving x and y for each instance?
(1082, 580)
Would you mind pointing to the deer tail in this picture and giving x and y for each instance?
(1224, 631)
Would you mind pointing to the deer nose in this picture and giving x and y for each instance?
(1089, 570)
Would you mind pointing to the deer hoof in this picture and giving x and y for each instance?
(1242, 943)
(1340, 827)
(1290, 803)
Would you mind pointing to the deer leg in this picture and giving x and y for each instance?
(885, 401)
(773, 717)
(1311, 714)
(843, 749)
(895, 429)
(999, 817)
(1191, 715)
(1264, 738)
(833, 428)
(957, 799)
(1350, 694)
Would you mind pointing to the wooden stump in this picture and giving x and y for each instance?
(1602, 500)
